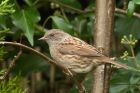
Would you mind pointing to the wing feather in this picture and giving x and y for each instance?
(78, 47)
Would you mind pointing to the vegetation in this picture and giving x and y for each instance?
(25, 21)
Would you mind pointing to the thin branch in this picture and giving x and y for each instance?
(30, 49)
(118, 10)
(64, 15)
(70, 7)
(11, 66)
(88, 11)
(125, 12)
(52, 78)
(125, 4)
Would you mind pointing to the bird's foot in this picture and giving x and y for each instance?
(68, 72)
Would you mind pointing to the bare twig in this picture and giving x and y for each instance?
(52, 78)
(125, 12)
(30, 49)
(125, 2)
(11, 66)
(118, 10)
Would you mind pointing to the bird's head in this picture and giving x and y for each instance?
(54, 36)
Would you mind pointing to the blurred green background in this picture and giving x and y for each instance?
(25, 21)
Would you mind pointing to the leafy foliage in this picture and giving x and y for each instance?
(13, 85)
(6, 8)
(132, 78)
(24, 20)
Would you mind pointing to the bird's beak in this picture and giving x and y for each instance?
(42, 38)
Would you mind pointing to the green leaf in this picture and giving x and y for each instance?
(119, 84)
(84, 28)
(131, 8)
(25, 20)
(125, 26)
(138, 57)
(29, 2)
(119, 89)
(136, 1)
(28, 63)
(134, 80)
(2, 21)
(62, 24)
(13, 85)
(6, 7)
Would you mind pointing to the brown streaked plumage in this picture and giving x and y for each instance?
(73, 53)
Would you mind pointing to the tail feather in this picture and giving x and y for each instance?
(119, 65)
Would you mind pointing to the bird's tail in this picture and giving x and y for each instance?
(118, 65)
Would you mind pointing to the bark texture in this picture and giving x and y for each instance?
(104, 24)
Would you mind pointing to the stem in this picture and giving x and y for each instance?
(118, 10)
(68, 6)
(35, 2)
(39, 28)
(134, 57)
(64, 15)
(11, 66)
(46, 20)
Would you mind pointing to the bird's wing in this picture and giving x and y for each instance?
(78, 47)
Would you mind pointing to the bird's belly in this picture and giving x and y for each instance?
(84, 69)
(76, 63)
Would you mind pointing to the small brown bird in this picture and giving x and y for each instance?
(73, 53)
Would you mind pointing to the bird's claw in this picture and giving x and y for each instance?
(68, 72)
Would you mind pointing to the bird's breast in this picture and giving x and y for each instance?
(55, 53)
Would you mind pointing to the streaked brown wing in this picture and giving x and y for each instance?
(78, 47)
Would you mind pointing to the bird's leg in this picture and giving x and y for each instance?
(82, 78)
(80, 85)
(68, 72)
(81, 81)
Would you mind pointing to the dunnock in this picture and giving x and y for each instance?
(73, 53)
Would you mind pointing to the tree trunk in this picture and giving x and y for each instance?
(104, 25)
